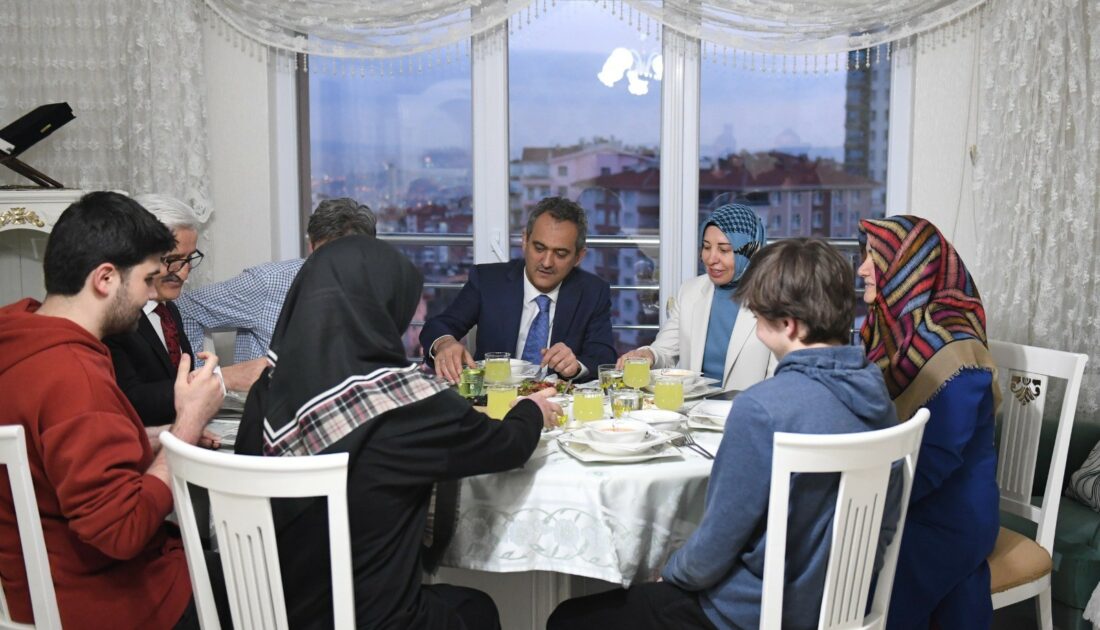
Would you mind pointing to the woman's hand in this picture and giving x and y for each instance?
(550, 410)
(640, 353)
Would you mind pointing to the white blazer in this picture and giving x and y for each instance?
(682, 339)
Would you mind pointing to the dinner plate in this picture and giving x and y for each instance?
(584, 453)
(704, 423)
(654, 438)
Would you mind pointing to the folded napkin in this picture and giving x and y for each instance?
(719, 409)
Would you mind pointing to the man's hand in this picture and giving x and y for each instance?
(198, 397)
(640, 353)
(550, 410)
(561, 359)
(450, 357)
(239, 377)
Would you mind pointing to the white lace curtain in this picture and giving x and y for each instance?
(132, 72)
(358, 29)
(1038, 177)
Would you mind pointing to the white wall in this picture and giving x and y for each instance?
(944, 118)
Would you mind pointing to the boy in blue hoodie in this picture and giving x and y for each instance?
(801, 293)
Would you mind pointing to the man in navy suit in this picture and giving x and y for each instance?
(542, 308)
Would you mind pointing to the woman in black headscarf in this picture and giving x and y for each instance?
(340, 382)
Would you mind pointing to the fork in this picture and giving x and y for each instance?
(685, 439)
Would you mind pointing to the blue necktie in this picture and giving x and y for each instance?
(539, 333)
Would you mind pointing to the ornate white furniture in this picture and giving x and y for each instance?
(26, 218)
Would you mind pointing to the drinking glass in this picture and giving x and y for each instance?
(636, 373)
(624, 401)
(499, 400)
(498, 367)
(472, 382)
(611, 377)
(587, 404)
(668, 392)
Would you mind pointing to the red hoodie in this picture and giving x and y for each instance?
(115, 562)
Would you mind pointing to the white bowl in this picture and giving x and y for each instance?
(680, 373)
(658, 418)
(617, 431)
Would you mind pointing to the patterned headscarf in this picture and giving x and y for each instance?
(927, 321)
(337, 353)
(745, 232)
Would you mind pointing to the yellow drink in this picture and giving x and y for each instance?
(636, 373)
(498, 367)
(587, 405)
(668, 393)
(499, 401)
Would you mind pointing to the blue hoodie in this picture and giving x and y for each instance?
(818, 390)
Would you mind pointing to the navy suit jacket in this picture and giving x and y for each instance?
(492, 299)
(145, 373)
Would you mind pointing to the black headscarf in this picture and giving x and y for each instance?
(338, 360)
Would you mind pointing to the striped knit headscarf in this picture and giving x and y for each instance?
(745, 232)
(927, 321)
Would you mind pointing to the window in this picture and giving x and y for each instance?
(819, 197)
(604, 143)
(797, 198)
(563, 191)
(401, 144)
(855, 195)
(775, 198)
(777, 223)
(796, 223)
(817, 220)
(838, 217)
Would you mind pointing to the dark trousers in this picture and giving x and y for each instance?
(648, 606)
(474, 609)
(190, 618)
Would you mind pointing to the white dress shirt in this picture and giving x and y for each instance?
(154, 319)
(530, 311)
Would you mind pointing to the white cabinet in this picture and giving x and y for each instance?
(26, 218)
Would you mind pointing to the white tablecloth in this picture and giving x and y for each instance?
(614, 522)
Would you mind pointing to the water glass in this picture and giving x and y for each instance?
(624, 401)
(611, 377)
(500, 399)
(498, 367)
(472, 382)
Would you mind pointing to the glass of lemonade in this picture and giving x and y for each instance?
(499, 400)
(587, 404)
(498, 367)
(636, 373)
(611, 377)
(668, 392)
(624, 401)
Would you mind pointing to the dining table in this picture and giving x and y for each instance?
(526, 535)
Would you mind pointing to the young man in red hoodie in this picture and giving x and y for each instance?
(102, 491)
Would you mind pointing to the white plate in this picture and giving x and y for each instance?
(658, 418)
(656, 438)
(582, 452)
(695, 422)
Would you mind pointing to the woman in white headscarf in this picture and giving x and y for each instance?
(706, 330)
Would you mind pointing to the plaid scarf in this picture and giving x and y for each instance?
(927, 321)
(334, 413)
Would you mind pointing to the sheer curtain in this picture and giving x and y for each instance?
(1037, 177)
(354, 28)
(132, 72)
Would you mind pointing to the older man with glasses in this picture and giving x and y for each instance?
(147, 358)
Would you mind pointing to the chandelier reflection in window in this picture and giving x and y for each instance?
(629, 63)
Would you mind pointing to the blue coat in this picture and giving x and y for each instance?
(953, 517)
(492, 300)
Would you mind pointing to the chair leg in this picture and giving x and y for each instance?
(1045, 611)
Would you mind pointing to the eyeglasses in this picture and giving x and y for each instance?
(173, 265)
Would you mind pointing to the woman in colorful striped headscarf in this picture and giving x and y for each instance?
(926, 330)
(706, 331)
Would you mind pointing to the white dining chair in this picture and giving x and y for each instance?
(13, 456)
(1019, 566)
(241, 488)
(864, 461)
